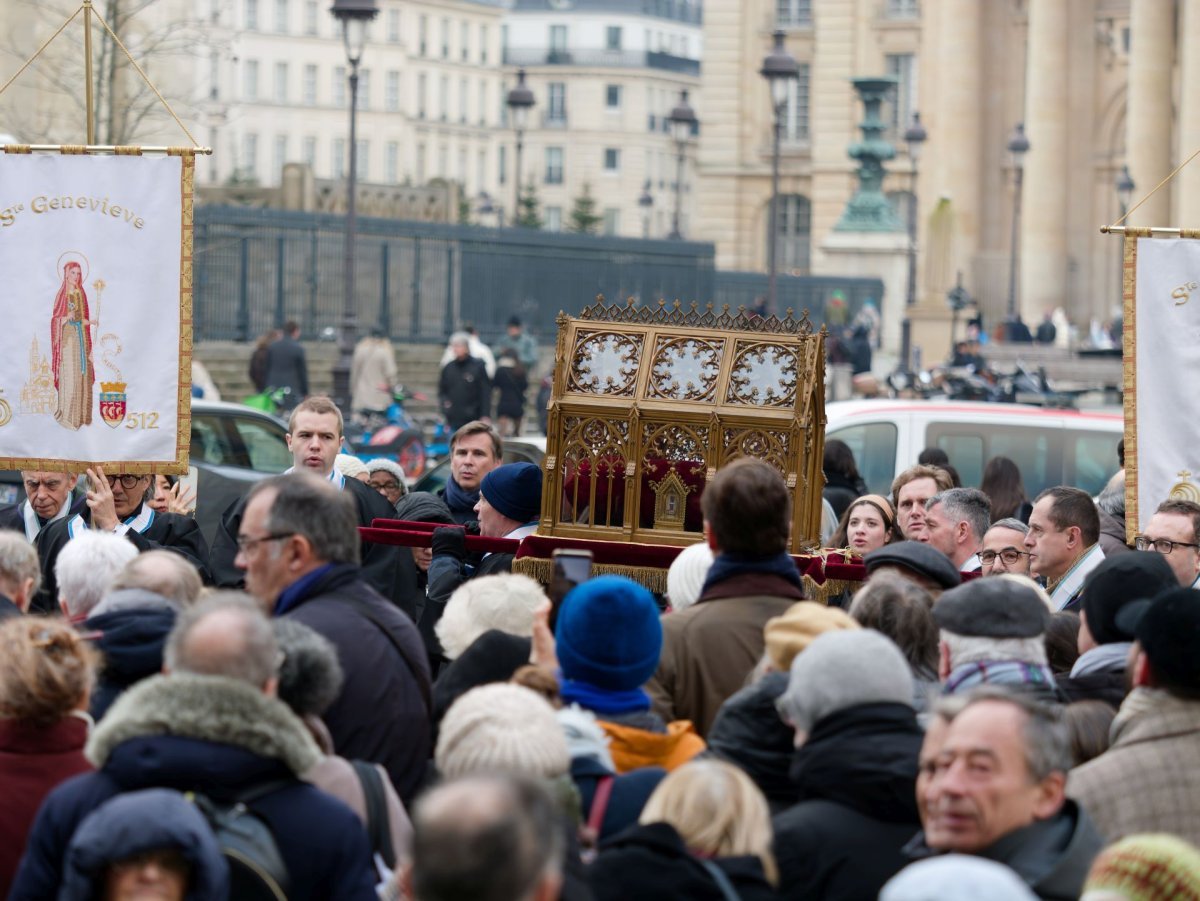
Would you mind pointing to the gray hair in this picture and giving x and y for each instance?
(903, 611)
(86, 568)
(310, 677)
(19, 561)
(1046, 736)
(968, 505)
(1112, 499)
(1010, 522)
(460, 338)
(309, 506)
(241, 645)
(163, 572)
(503, 601)
(977, 649)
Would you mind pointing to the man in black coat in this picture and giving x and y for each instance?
(287, 367)
(314, 436)
(117, 504)
(299, 547)
(849, 699)
(464, 389)
(47, 498)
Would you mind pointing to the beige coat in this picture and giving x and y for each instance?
(372, 374)
(1149, 778)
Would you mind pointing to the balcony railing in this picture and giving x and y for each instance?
(617, 59)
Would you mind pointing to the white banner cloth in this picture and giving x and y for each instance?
(96, 316)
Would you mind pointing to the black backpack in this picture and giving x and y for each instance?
(256, 867)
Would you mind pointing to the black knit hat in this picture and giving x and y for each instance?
(1168, 628)
(421, 506)
(1118, 581)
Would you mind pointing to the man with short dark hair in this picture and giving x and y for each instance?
(47, 498)
(1063, 543)
(212, 725)
(1003, 548)
(996, 791)
(1149, 778)
(287, 366)
(955, 523)
(464, 388)
(709, 648)
(910, 490)
(475, 450)
(299, 547)
(1174, 532)
(487, 838)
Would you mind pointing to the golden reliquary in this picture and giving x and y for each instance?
(649, 402)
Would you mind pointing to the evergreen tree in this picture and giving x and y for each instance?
(584, 218)
(529, 213)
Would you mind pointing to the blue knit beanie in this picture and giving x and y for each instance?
(608, 634)
(514, 490)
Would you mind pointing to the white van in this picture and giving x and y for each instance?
(1051, 447)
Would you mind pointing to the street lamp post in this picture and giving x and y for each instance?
(646, 202)
(1018, 146)
(914, 137)
(780, 69)
(520, 101)
(354, 16)
(683, 122)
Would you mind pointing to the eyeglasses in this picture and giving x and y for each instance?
(1162, 545)
(385, 486)
(1010, 556)
(246, 544)
(128, 482)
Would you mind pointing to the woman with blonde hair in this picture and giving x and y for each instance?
(46, 676)
(705, 833)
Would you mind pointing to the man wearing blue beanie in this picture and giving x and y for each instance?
(510, 501)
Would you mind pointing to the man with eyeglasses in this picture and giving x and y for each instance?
(1172, 531)
(47, 498)
(117, 504)
(1003, 548)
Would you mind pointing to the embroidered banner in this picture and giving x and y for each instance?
(95, 349)
(1162, 357)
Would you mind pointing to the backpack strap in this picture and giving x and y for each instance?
(604, 786)
(722, 881)
(379, 830)
(421, 678)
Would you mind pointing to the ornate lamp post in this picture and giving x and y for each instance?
(520, 101)
(354, 16)
(914, 137)
(646, 203)
(1018, 146)
(780, 69)
(683, 122)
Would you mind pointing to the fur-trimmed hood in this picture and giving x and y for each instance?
(211, 708)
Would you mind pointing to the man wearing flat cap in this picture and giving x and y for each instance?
(1149, 778)
(916, 561)
(1104, 646)
(993, 632)
(510, 502)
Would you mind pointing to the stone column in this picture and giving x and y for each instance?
(1187, 182)
(1042, 241)
(1148, 121)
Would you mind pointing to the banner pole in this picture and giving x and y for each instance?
(87, 64)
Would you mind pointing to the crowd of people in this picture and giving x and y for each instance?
(1003, 708)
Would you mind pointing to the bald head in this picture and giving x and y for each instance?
(163, 573)
(225, 635)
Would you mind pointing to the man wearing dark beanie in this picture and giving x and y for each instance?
(709, 648)
(510, 501)
(1104, 645)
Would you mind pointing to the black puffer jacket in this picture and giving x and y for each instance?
(856, 782)
(749, 734)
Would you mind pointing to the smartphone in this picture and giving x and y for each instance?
(571, 567)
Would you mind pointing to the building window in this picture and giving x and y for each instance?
(793, 13)
(364, 89)
(796, 109)
(422, 90)
(420, 164)
(309, 152)
(339, 157)
(554, 165)
(464, 41)
(364, 159)
(481, 169)
(281, 151)
(483, 45)
(442, 157)
(483, 101)
(281, 16)
(502, 165)
(251, 18)
(612, 37)
(444, 97)
(462, 100)
(612, 96)
(445, 32)
(612, 159)
(461, 173)
(612, 220)
(309, 88)
(393, 26)
(558, 42)
(391, 162)
(391, 91)
(422, 34)
(904, 101)
(249, 167)
(339, 85)
(902, 204)
(556, 102)
(903, 9)
(250, 82)
(553, 216)
(793, 240)
(281, 82)
(310, 16)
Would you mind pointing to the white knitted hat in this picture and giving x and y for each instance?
(501, 728)
(686, 576)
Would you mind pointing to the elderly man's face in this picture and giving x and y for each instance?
(47, 491)
(259, 556)
(940, 531)
(461, 349)
(910, 506)
(981, 788)
(492, 523)
(935, 735)
(1004, 543)
(126, 500)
